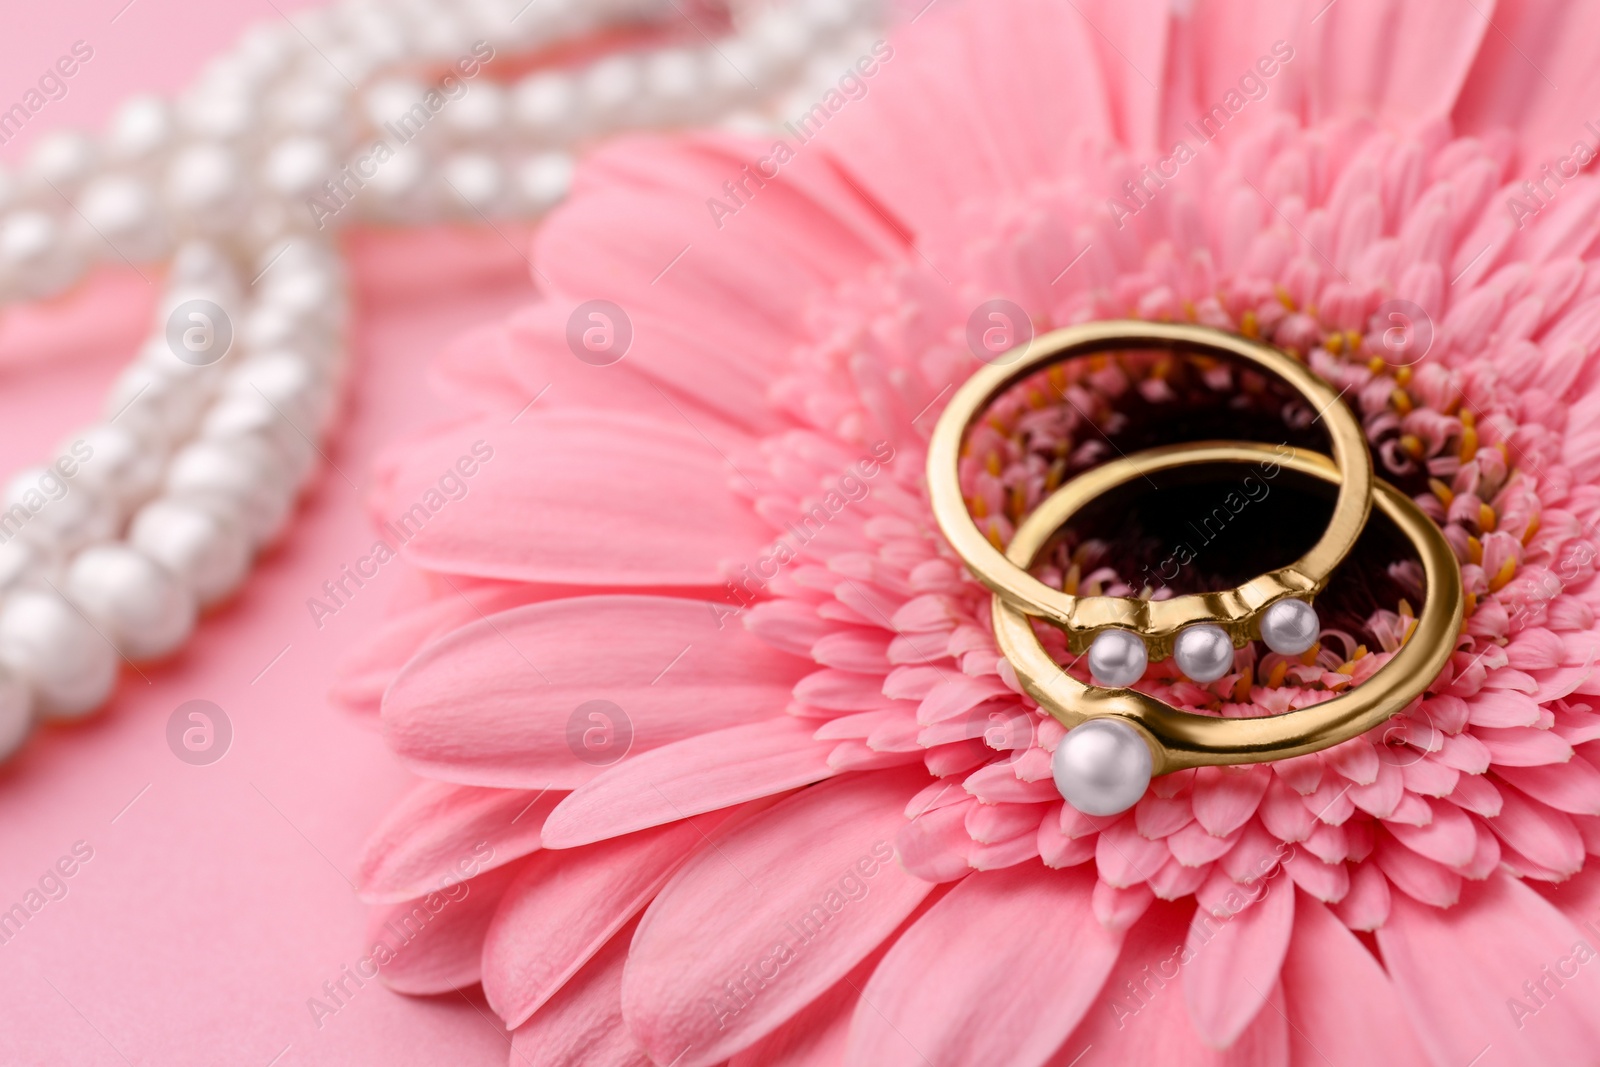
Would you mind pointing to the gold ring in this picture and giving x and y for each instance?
(1237, 612)
(1173, 739)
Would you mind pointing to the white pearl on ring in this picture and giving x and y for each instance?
(1102, 767)
(1204, 652)
(1117, 658)
(1290, 627)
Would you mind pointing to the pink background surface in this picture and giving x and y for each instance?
(217, 901)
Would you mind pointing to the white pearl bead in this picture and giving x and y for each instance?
(145, 611)
(207, 553)
(400, 188)
(1290, 627)
(218, 111)
(544, 180)
(479, 114)
(204, 181)
(828, 17)
(738, 66)
(475, 179)
(392, 99)
(122, 210)
(34, 256)
(50, 509)
(118, 465)
(234, 417)
(674, 83)
(141, 404)
(297, 167)
(545, 106)
(46, 641)
(1117, 658)
(241, 476)
(310, 107)
(267, 48)
(611, 89)
(16, 713)
(62, 160)
(140, 128)
(1102, 767)
(1203, 652)
(782, 37)
(200, 262)
(19, 559)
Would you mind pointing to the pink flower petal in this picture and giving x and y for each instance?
(440, 834)
(582, 1023)
(1450, 838)
(434, 943)
(501, 700)
(1140, 1017)
(576, 522)
(564, 906)
(699, 774)
(1226, 797)
(1459, 972)
(922, 167)
(932, 998)
(1352, 73)
(1329, 981)
(1237, 949)
(1514, 82)
(785, 905)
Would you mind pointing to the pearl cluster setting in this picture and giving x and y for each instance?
(155, 514)
(1204, 651)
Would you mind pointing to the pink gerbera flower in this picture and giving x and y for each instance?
(714, 723)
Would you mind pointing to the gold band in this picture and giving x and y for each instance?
(1158, 622)
(1180, 739)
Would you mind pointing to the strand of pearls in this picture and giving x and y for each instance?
(145, 519)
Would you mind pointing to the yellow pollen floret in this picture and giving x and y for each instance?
(1469, 442)
(1507, 571)
(1445, 494)
(1334, 342)
(1487, 519)
(1249, 326)
(994, 538)
(1474, 551)
(1401, 401)
(1241, 688)
(979, 508)
(1533, 528)
(1279, 671)
(1309, 656)
(1349, 666)
(1376, 365)
(1402, 377)
(1069, 584)
(1411, 444)
(991, 463)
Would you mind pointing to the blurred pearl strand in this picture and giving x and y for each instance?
(196, 468)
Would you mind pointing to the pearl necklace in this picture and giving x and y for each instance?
(139, 523)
